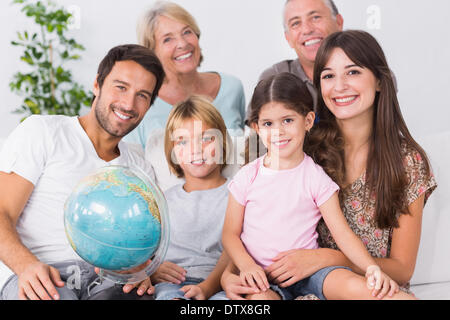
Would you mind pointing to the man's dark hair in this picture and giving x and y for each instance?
(132, 52)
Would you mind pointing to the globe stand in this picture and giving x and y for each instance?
(97, 282)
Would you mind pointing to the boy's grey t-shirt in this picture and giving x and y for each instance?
(196, 222)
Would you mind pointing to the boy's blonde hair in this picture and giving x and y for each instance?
(201, 109)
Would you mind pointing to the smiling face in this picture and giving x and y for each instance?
(197, 149)
(308, 23)
(124, 98)
(283, 130)
(348, 90)
(177, 46)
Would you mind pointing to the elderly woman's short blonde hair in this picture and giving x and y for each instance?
(201, 109)
(148, 22)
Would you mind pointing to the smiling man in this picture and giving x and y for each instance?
(306, 24)
(46, 156)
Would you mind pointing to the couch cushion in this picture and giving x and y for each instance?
(432, 291)
(433, 261)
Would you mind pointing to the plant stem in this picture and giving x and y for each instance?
(52, 80)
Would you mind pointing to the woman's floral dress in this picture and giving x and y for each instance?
(360, 213)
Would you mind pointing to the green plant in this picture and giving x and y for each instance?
(48, 87)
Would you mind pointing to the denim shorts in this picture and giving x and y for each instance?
(170, 291)
(310, 285)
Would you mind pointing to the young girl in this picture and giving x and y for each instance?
(196, 147)
(276, 201)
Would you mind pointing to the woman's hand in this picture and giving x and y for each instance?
(253, 275)
(231, 284)
(377, 280)
(292, 266)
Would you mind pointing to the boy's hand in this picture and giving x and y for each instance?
(145, 286)
(194, 292)
(255, 277)
(142, 287)
(380, 283)
(169, 272)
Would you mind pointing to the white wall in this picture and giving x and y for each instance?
(242, 37)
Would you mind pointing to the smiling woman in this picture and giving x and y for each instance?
(348, 89)
(363, 143)
(173, 34)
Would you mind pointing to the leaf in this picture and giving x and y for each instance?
(27, 60)
(30, 104)
(47, 86)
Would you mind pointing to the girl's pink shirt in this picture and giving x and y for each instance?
(281, 207)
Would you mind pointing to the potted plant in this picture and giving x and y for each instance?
(48, 87)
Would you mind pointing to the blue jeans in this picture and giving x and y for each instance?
(170, 291)
(310, 285)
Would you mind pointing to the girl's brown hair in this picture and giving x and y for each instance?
(385, 172)
(284, 88)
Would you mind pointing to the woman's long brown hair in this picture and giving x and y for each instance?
(385, 173)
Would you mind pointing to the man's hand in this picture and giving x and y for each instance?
(37, 282)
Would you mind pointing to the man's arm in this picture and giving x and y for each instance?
(35, 278)
(14, 194)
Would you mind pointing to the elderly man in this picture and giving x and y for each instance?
(306, 23)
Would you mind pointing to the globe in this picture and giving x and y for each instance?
(116, 219)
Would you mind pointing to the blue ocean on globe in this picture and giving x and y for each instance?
(112, 219)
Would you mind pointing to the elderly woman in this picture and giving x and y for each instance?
(173, 34)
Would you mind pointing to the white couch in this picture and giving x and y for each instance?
(431, 279)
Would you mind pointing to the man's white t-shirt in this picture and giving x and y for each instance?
(54, 153)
